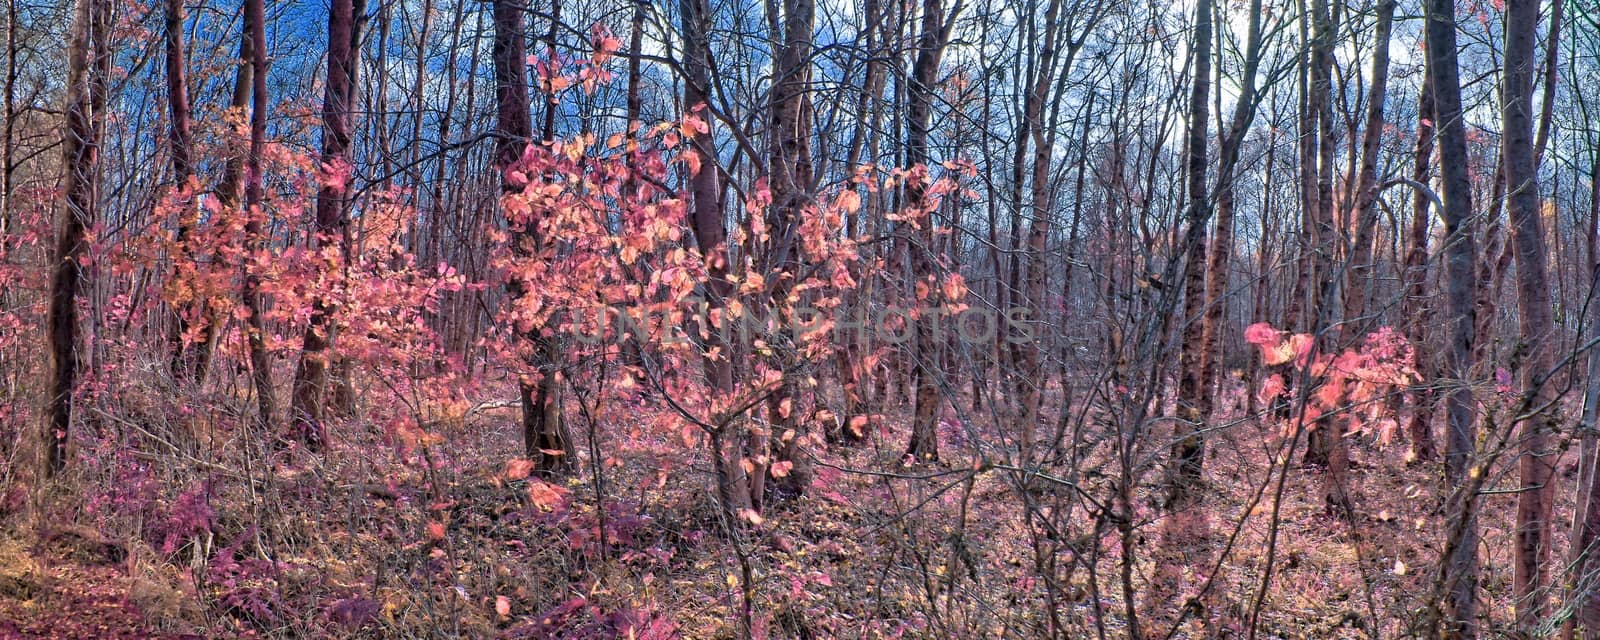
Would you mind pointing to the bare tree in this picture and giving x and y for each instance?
(931, 39)
(1538, 339)
(1460, 571)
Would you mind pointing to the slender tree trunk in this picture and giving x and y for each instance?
(1190, 454)
(1359, 272)
(1359, 261)
(8, 129)
(179, 139)
(1027, 359)
(1325, 442)
(924, 444)
(1189, 450)
(255, 213)
(855, 377)
(1414, 307)
(1581, 558)
(705, 189)
(544, 440)
(228, 191)
(790, 181)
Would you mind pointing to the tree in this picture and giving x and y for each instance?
(931, 39)
(1536, 461)
(228, 189)
(705, 218)
(180, 148)
(331, 235)
(544, 438)
(1415, 275)
(80, 156)
(1460, 571)
(1358, 270)
(1324, 447)
(256, 329)
(790, 174)
(1189, 450)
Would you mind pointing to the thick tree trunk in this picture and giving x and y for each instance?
(1460, 573)
(308, 403)
(1538, 340)
(80, 159)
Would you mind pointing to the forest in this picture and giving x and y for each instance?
(799, 319)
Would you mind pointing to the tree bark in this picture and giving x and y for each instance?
(924, 444)
(80, 159)
(260, 361)
(1581, 559)
(705, 189)
(1189, 449)
(1460, 573)
(179, 142)
(1358, 268)
(1536, 462)
(544, 438)
(308, 402)
(1415, 280)
(790, 181)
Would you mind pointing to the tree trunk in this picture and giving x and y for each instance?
(1192, 449)
(1460, 573)
(260, 362)
(1415, 280)
(1358, 273)
(1538, 338)
(1325, 442)
(1358, 268)
(543, 435)
(924, 444)
(705, 189)
(80, 158)
(1188, 451)
(790, 181)
(308, 401)
(1581, 559)
(228, 190)
(180, 135)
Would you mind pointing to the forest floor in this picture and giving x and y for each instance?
(444, 538)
